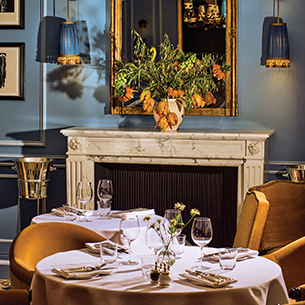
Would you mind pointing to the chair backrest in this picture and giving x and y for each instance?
(14, 297)
(40, 240)
(252, 221)
(286, 217)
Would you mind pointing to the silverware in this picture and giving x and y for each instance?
(213, 277)
(215, 254)
(82, 269)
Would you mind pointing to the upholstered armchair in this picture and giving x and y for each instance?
(40, 240)
(273, 222)
(14, 297)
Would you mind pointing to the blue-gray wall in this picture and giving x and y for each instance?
(267, 98)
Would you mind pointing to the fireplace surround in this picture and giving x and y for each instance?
(246, 150)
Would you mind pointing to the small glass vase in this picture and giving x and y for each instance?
(166, 255)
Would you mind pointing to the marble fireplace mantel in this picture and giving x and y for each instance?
(244, 149)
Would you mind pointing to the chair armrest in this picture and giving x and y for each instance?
(292, 261)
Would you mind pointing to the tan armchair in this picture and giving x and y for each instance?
(14, 297)
(273, 222)
(40, 240)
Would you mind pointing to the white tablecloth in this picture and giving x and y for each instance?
(106, 227)
(260, 282)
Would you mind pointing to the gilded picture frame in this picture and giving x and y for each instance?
(231, 39)
(12, 71)
(12, 14)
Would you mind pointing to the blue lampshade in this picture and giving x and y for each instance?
(68, 45)
(278, 55)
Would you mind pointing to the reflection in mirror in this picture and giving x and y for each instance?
(198, 26)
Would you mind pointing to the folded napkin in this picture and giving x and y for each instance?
(81, 272)
(95, 247)
(207, 279)
(141, 212)
(242, 254)
(59, 212)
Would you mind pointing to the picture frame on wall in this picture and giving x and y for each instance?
(12, 71)
(11, 14)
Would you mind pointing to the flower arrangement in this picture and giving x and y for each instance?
(191, 78)
(167, 231)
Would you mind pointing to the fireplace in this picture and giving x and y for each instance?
(225, 162)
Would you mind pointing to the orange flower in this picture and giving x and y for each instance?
(162, 108)
(209, 98)
(218, 72)
(172, 119)
(174, 93)
(198, 101)
(148, 105)
(128, 95)
(145, 95)
(162, 123)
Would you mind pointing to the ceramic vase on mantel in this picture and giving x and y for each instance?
(175, 107)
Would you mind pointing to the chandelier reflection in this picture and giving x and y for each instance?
(205, 15)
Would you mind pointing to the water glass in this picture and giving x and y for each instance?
(147, 264)
(227, 258)
(178, 245)
(108, 254)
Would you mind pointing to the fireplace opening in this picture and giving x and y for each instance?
(211, 189)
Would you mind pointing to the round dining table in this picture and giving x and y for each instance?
(259, 281)
(108, 228)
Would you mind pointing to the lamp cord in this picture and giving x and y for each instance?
(278, 11)
(68, 9)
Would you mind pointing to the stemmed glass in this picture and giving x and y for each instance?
(130, 229)
(104, 193)
(173, 213)
(153, 240)
(84, 194)
(202, 234)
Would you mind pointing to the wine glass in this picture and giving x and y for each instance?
(104, 193)
(173, 213)
(153, 240)
(84, 194)
(202, 234)
(130, 229)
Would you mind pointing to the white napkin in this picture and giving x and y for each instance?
(141, 212)
(241, 255)
(205, 281)
(95, 247)
(82, 271)
(60, 213)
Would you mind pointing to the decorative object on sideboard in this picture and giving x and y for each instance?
(278, 54)
(68, 42)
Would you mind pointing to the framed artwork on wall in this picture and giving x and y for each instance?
(12, 71)
(11, 14)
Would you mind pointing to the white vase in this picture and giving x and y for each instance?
(175, 107)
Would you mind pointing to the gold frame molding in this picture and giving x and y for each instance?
(231, 108)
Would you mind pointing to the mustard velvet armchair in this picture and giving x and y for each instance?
(285, 220)
(40, 240)
(252, 221)
(14, 297)
(272, 221)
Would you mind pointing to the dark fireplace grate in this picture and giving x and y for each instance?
(213, 190)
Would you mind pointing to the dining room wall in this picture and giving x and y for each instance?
(59, 97)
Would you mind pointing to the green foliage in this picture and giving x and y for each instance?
(192, 73)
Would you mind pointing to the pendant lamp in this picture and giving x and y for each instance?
(68, 43)
(278, 55)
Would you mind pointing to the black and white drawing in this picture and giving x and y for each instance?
(2, 69)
